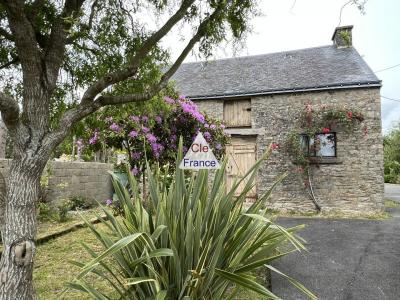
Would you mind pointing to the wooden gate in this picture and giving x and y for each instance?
(241, 157)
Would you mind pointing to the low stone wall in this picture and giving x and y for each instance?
(69, 179)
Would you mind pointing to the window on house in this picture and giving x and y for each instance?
(237, 113)
(322, 145)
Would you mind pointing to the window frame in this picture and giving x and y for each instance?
(230, 103)
(314, 155)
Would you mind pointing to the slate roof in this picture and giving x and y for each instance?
(317, 68)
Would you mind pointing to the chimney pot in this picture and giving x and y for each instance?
(342, 37)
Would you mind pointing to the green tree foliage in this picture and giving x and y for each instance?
(104, 36)
(391, 148)
(63, 60)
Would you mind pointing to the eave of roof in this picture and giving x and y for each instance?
(355, 85)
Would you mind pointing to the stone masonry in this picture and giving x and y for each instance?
(68, 179)
(354, 183)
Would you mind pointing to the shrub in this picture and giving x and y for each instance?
(79, 202)
(154, 137)
(62, 210)
(45, 211)
(391, 146)
(193, 241)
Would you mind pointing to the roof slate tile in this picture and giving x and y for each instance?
(303, 69)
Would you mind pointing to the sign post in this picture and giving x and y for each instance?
(199, 156)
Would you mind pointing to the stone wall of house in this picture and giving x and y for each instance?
(213, 108)
(353, 184)
(68, 179)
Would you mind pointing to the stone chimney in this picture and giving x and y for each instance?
(342, 37)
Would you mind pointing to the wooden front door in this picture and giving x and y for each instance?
(241, 157)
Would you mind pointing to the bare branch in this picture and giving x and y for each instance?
(118, 76)
(9, 110)
(341, 11)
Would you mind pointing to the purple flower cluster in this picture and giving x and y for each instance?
(158, 119)
(136, 155)
(169, 100)
(134, 118)
(207, 135)
(157, 149)
(156, 135)
(151, 138)
(135, 171)
(95, 138)
(133, 134)
(190, 108)
(115, 127)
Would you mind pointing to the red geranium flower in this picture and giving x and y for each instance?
(349, 114)
(274, 146)
(326, 130)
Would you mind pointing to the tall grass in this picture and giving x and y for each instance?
(193, 240)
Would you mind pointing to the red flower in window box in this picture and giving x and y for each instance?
(349, 114)
(326, 130)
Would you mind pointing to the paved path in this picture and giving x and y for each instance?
(392, 191)
(347, 259)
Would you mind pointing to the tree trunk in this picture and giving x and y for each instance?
(2, 205)
(16, 266)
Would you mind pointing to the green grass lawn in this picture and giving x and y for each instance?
(52, 225)
(52, 270)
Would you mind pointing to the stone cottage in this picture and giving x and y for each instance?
(260, 97)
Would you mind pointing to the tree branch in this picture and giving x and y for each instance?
(36, 6)
(6, 34)
(120, 75)
(9, 63)
(85, 108)
(9, 110)
(121, 99)
(85, 27)
(24, 37)
(58, 39)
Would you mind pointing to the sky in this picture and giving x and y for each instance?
(295, 24)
